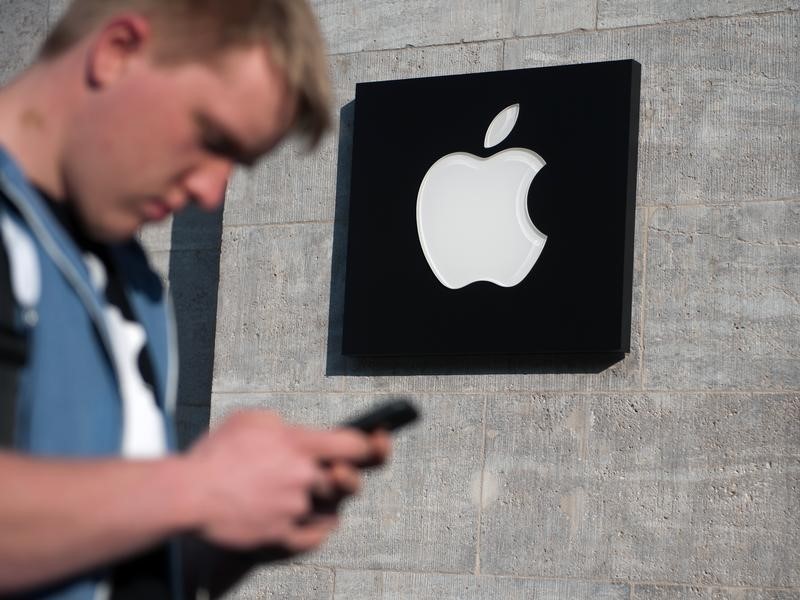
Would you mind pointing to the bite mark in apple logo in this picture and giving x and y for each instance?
(472, 213)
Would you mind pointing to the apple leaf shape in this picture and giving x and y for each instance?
(501, 126)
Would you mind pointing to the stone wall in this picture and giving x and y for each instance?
(673, 474)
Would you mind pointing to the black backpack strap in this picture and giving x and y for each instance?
(13, 348)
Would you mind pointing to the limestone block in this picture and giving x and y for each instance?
(191, 229)
(272, 309)
(540, 17)
(352, 26)
(625, 13)
(722, 306)
(720, 118)
(371, 585)
(23, 27)
(697, 489)
(419, 512)
(55, 11)
(156, 237)
(293, 185)
(192, 279)
(285, 583)
(159, 262)
(663, 592)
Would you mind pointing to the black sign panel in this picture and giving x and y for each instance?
(493, 213)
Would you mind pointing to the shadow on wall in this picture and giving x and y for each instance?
(338, 364)
(194, 282)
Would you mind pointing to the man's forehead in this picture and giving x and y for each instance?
(254, 106)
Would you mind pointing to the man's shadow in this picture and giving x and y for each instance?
(194, 282)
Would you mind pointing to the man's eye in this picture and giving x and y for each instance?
(215, 146)
(224, 147)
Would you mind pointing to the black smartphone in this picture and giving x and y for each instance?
(389, 416)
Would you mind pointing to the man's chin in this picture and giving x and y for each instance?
(113, 234)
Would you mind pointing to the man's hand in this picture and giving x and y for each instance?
(260, 482)
(253, 482)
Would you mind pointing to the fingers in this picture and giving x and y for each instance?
(345, 478)
(337, 445)
(343, 444)
(381, 443)
(288, 490)
(335, 481)
(311, 533)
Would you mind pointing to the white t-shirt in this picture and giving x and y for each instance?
(143, 433)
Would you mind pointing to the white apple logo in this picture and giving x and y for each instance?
(472, 213)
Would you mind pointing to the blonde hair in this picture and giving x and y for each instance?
(199, 29)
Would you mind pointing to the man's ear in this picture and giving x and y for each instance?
(116, 44)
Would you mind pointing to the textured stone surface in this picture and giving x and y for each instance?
(193, 230)
(285, 583)
(156, 237)
(193, 278)
(723, 297)
(273, 330)
(292, 185)
(271, 319)
(159, 261)
(184, 250)
(663, 487)
(720, 117)
(624, 13)
(661, 592)
(365, 585)
(23, 27)
(56, 9)
(354, 26)
(538, 17)
(421, 511)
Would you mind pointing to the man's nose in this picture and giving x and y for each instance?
(206, 184)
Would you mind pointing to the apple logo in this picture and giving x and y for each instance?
(472, 213)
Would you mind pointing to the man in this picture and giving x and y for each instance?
(134, 109)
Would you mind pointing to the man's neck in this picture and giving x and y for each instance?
(33, 111)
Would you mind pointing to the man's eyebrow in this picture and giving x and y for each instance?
(223, 141)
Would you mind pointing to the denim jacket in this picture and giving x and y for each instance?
(68, 402)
